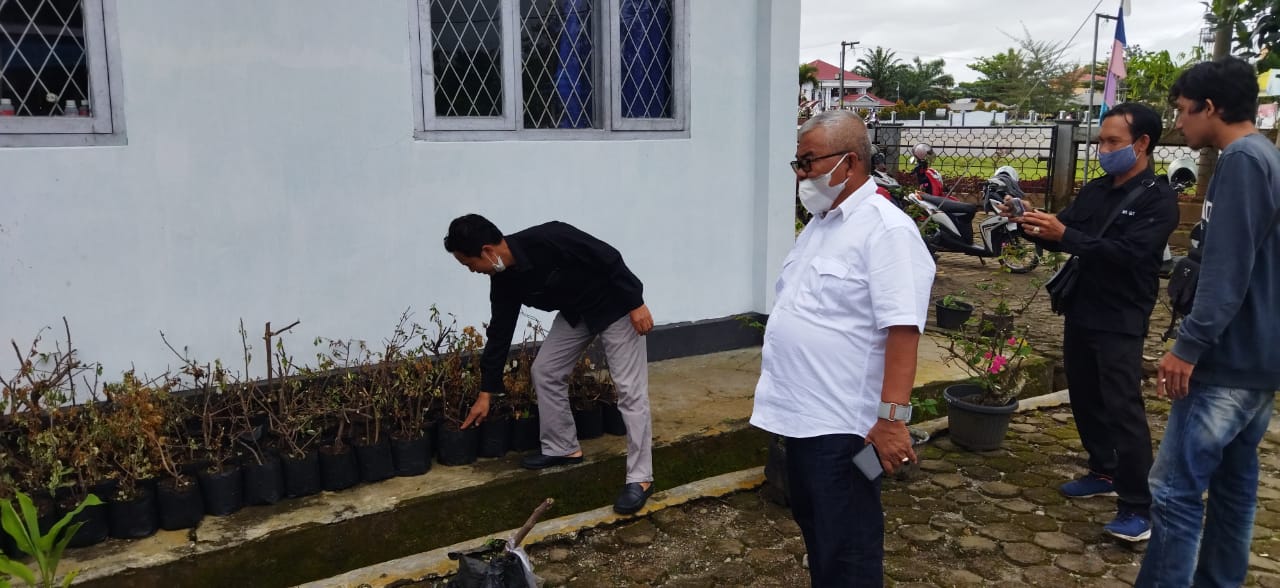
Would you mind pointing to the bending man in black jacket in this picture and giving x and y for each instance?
(1106, 319)
(555, 266)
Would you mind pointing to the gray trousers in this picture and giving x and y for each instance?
(628, 365)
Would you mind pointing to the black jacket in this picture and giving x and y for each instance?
(556, 267)
(1119, 271)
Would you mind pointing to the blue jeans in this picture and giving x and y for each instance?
(1211, 444)
(838, 511)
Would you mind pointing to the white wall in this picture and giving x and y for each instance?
(271, 175)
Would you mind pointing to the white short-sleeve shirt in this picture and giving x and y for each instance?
(853, 273)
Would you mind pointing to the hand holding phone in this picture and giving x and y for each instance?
(868, 462)
(1015, 208)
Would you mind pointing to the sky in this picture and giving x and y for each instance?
(961, 31)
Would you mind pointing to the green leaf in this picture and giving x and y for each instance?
(14, 528)
(14, 568)
(66, 582)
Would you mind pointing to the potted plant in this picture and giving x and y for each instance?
(178, 496)
(517, 378)
(978, 412)
(952, 311)
(417, 381)
(339, 469)
(293, 416)
(458, 392)
(133, 416)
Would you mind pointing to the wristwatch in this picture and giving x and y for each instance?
(895, 412)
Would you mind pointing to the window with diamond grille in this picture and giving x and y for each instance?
(53, 71)
(547, 67)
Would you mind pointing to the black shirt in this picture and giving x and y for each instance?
(1119, 271)
(556, 267)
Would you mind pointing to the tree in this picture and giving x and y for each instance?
(1151, 74)
(882, 66)
(1032, 76)
(1255, 24)
(808, 75)
(925, 80)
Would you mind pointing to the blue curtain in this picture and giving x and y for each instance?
(646, 59)
(573, 80)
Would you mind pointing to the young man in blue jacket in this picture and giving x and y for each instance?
(1224, 369)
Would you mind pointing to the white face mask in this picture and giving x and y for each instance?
(817, 195)
(498, 266)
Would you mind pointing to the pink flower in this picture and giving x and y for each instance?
(1013, 341)
(997, 363)
(986, 355)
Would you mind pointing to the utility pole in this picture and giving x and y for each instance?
(1093, 79)
(843, 45)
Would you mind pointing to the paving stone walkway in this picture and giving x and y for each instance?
(964, 519)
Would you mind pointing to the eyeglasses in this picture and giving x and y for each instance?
(805, 164)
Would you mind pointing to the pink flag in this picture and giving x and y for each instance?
(1115, 70)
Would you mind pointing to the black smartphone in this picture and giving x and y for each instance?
(868, 462)
(1016, 207)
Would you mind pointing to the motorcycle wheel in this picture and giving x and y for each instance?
(1020, 255)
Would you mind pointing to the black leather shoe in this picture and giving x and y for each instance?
(539, 461)
(632, 498)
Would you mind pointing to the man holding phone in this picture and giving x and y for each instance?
(1107, 316)
(839, 354)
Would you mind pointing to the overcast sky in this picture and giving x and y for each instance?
(960, 31)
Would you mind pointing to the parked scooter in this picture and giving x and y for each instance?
(1182, 175)
(948, 226)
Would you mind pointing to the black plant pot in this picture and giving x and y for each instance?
(495, 436)
(136, 518)
(264, 482)
(376, 462)
(338, 471)
(613, 423)
(525, 434)
(996, 324)
(457, 447)
(301, 475)
(96, 526)
(589, 422)
(223, 491)
(976, 427)
(180, 507)
(411, 456)
(952, 318)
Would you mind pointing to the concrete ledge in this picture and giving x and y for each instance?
(436, 563)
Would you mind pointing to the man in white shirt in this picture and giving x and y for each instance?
(839, 354)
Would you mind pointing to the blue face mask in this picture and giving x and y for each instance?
(1119, 161)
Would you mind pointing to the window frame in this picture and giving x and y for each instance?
(106, 125)
(607, 102)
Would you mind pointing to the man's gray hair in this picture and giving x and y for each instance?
(845, 132)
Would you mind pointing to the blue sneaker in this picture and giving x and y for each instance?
(1090, 485)
(1130, 526)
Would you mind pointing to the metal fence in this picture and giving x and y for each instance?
(967, 155)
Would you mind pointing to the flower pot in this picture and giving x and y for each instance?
(412, 457)
(495, 436)
(952, 318)
(181, 507)
(301, 474)
(589, 422)
(996, 325)
(376, 463)
(525, 434)
(135, 518)
(613, 423)
(339, 470)
(264, 482)
(974, 426)
(96, 526)
(457, 446)
(223, 491)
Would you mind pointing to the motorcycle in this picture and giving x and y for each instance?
(947, 226)
(929, 179)
(1182, 175)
